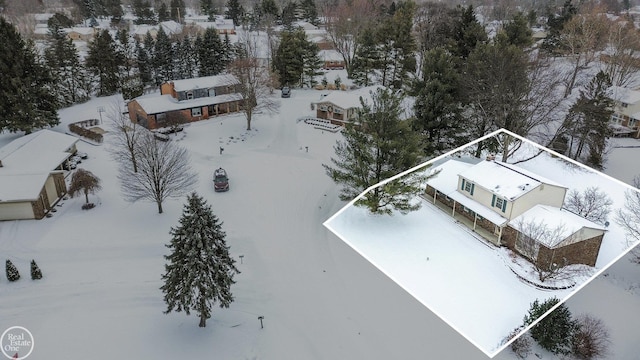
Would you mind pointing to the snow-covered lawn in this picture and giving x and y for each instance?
(456, 275)
(100, 297)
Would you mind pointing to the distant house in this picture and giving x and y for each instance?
(625, 120)
(171, 28)
(341, 107)
(81, 33)
(331, 60)
(502, 202)
(186, 101)
(31, 175)
(222, 25)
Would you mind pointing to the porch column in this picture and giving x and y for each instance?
(475, 218)
(453, 209)
(500, 234)
(435, 192)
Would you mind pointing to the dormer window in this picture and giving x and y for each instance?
(468, 186)
(499, 203)
(212, 92)
(189, 95)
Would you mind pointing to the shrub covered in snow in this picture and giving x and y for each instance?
(12, 271)
(36, 273)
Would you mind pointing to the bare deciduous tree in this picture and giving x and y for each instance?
(345, 23)
(521, 346)
(583, 36)
(255, 81)
(163, 172)
(591, 339)
(629, 218)
(84, 181)
(124, 135)
(592, 204)
(621, 63)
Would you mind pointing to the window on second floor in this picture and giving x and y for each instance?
(189, 95)
(468, 186)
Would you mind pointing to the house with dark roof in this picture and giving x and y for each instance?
(513, 207)
(188, 100)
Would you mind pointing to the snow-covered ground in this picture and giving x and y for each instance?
(100, 297)
(453, 272)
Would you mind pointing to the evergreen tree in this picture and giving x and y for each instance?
(380, 146)
(366, 59)
(235, 11)
(12, 271)
(36, 273)
(517, 32)
(555, 22)
(184, 62)
(288, 15)
(309, 11)
(467, 33)
(438, 104)
(177, 10)
(71, 78)
(163, 12)
(289, 59)
(163, 57)
(200, 270)
(144, 69)
(104, 62)
(211, 55)
(59, 21)
(143, 12)
(398, 45)
(555, 331)
(207, 8)
(269, 8)
(587, 123)
(113, 8)
(311, 64)
(27, 99)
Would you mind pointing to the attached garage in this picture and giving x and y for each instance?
(16, 211)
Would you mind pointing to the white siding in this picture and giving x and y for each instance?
(543, 194)
(50, 189)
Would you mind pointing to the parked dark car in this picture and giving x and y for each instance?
(286, 92)
(220, 180)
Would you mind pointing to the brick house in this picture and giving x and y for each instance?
(341, 107)
(513, 207)
(625, 120)
(187, 100)
(31, 175)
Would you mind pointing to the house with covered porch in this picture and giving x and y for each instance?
(502, 202)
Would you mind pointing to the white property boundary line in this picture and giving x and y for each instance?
(460, 148)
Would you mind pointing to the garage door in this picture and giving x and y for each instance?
(16, 211)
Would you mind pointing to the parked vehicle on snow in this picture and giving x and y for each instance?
(220, 180)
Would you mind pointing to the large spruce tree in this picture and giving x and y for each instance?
(104, 62)
(72, 81)
(438, 105)
(210, 54)
(379, 147)
(235, 11)
(295, 58)
(555, 331)
(163, 55)
(200, 270)
(27, 94)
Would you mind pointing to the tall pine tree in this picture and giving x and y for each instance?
(27, 96)
(381, 146)
(200, 270)
(177, 10)
(163, 57)
(210, 52)
(72, 81)
(104, 62)
(235, 11)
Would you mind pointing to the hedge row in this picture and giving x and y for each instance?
(84, 132)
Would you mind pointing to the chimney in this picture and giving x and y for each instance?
(491, 157)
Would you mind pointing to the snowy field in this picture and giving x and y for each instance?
(100, 298)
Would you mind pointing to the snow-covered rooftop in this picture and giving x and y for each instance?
(163, 103)
(567, 222)
(38, 152)
(503, 179)
(330, 55)
(23, 187)
(349, 99)
(171, 27)
(446, 182)
(80, 30)
(204, 82)
(625, 95)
